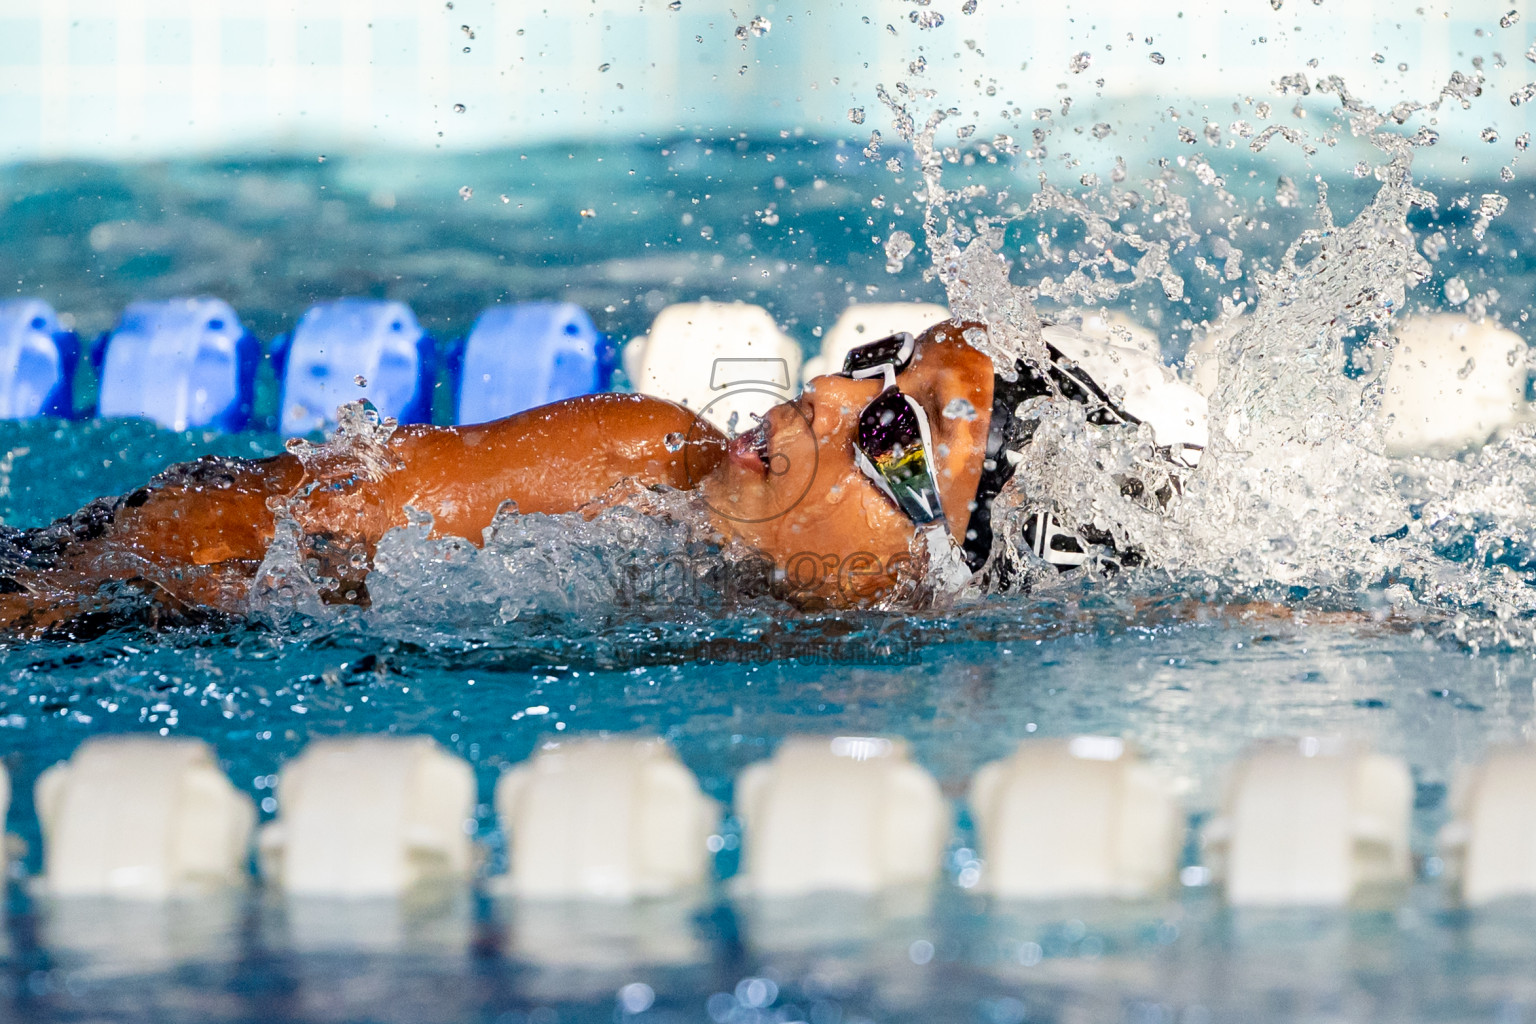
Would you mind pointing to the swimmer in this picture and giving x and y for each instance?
(903, 450)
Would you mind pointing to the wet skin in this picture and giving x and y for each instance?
(194, 537)
(796, 494)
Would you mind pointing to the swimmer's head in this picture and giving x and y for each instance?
(791, 487)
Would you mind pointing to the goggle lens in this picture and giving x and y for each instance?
(891, 440)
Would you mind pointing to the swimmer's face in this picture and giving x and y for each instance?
(791, 488)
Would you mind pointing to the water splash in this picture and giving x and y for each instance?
(1295, 495)
(303, 572)
(359, 446)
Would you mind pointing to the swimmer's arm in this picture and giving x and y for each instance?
(555, 459)
(558, 458)
(203, 512)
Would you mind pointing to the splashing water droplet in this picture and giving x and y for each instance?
(1456, 291)
(1079, 62)
(1509, 20)
(465, 192)
(1523, 141)
(969, 7)
(1102, 130)
(675, 5)
(459, 108)
(1505, 174)
(360, 381)
(742, 70)
(1155, 57)
(604, 67)
(856, 115)
(1489, 135)
(960, 409)
(1286, 192)
(741, 32)
(760, 26)
(589, 212)
(897, 248)
(926, 19)
(673, 442)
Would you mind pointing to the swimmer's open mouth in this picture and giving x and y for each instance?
(750, 448)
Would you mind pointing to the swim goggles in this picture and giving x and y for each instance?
(893, 444)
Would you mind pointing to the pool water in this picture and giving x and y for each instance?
(1188, 681)
(1191, 695)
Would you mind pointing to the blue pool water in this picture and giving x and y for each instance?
(1190, 684)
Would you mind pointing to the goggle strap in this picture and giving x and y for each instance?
(899, 360)
(1041, 529)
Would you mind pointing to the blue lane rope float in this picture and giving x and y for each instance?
(184, 363)
(349, 349)
(37, 361)
(526, 355)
